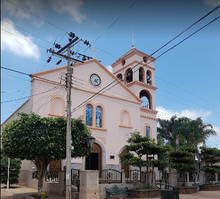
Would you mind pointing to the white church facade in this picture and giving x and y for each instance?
(128, 104)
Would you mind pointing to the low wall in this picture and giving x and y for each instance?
(146, 193)
(187, 190)
(210, 187)
(25, 179)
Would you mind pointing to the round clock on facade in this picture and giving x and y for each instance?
(95, 80)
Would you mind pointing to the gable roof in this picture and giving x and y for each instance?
(130, 53)
(87, 62)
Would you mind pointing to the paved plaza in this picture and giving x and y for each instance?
(21, 192)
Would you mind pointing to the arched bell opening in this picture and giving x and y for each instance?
(146, 98)
(129, 76)
(141, 74)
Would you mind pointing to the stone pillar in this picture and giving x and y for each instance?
(187, 179)
(89, 184)
(173, 179)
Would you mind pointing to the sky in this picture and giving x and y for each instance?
(186, 75)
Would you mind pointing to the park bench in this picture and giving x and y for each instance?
(118, 191)
(199, 187)
(217, 183)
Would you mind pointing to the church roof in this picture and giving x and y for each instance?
(133, 50)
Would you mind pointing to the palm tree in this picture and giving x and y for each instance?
(165, 130)
(199, 132)
(192, 132)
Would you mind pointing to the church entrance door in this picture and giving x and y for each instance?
(96, 158)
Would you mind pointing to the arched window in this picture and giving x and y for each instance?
(57, 106)
(119, 76)
(89, 115)
(98, 119)
(129, 76)
(147, 128)
(141, 74)
(146, 99)
(149, 77)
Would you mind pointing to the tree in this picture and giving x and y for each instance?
(210, 156)
(42, 140)
(15, 165)
(196, 132)
(138, 147)
(183, 160)
(184, 131)
(171, 130)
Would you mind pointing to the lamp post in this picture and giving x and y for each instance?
(198, 155)
(89, 142)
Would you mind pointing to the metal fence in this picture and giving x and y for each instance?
(193, 176)
(110, 176)
(75, 179)
(133, 176)
(52, 175)
(181, 177)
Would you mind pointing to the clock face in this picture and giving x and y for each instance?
(95, 80)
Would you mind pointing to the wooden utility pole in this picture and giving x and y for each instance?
(60, 53)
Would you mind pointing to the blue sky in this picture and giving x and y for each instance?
(187, 76)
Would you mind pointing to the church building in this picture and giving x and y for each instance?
(111, 112)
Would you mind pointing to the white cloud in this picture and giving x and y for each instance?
(33, 6)
(212, 2)
(217, 129)
(167, 114)
(71, 7)
(13, 41)
(109, 68)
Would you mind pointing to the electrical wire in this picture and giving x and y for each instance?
(37, 16)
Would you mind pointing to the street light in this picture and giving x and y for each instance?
(198, 155)
(89, 142)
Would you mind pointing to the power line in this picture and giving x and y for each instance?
(12, 100)
(23, 38)
(102, 90)
(116, 20)
(30, 75)
(37, 16)
(26, 31)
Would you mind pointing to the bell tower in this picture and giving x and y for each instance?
(136, 70)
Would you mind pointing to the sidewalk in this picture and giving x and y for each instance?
(20, 192)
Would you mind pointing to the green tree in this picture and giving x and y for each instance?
(138, 147)
(210, 156)
(15, 165)
(171, 130)
(183, 160)
(196, 132)
(184, 131)
(42, 140)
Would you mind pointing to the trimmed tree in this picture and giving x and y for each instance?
(15, 165)
(138, 147)
(210, 156)
(42, 140)
(183, 160)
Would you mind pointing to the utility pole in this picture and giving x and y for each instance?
(60, 53)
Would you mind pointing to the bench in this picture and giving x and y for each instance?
(217, 183)
(118, 191)
(199, 187)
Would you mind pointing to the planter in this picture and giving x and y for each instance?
(43, 194)
(187, 190)
(210, 187)
(148, 193)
